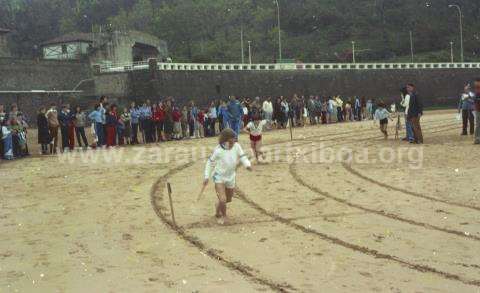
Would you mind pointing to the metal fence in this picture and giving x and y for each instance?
(144, 65)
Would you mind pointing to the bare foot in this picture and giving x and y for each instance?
(221, 221)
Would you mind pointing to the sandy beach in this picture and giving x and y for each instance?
(338, 209)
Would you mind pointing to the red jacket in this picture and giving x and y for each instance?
(201, 117)
(158, 114)
(176, 115)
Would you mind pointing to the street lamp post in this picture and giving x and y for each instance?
(461, 29)
(411, 45)
(250, 52)
(451, 52)
(279, 31)
(241, 44)
(353, 52)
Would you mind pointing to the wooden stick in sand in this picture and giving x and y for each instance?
(200, 195)
(169, 187)
(291, 131)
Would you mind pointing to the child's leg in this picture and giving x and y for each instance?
(258, 147)
(254, 149)
(229, 192)
(383, 129)
(222, 200)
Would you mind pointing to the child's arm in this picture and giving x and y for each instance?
(208, 167)
(243, 158)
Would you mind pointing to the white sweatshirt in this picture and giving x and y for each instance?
(406, 103)
(256, 130)
(267, 107)
(226, 162)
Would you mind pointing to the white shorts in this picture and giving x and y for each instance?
(229, 182)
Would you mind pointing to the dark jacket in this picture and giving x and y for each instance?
(43, 133)
(64, 119)
(416, 106)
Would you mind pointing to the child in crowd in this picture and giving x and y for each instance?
(80, 123)
(111, 126)
(44, 137)
(184, 122)
(168, 127)
(120, 130)
(382, 115)
(348, 111)
(201, 123)
(126, 119)
(225, 157)
(159, 120)
(53, 124)
(97, 127)
(206, 123)
(64, 118)
(19, 135)
(134, 116)
(255, 129)
(177, 124)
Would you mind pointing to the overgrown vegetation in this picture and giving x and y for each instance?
(209, 30)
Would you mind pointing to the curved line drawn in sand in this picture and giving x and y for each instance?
(156, 197)
(382, 213)
(357, 173)
(355, 247)
(247, 271)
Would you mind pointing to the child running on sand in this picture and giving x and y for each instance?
(225, 157)
(255, 129)
(382, 115)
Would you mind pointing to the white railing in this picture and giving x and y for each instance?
(288, 66)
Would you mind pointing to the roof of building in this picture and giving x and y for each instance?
(70, 38)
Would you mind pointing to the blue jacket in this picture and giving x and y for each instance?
(135, 114)
(96, 116)
(223, 112)
(103, 112)
(145, 112)
(235, 110)
(194, 113)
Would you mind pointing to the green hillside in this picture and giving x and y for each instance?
(209, 30)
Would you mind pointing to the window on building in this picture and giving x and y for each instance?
(64, 49)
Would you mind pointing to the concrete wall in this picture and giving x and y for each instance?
(436, 86)
(26, 75)
(4, 50)
(118, 48)
(112, 84)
